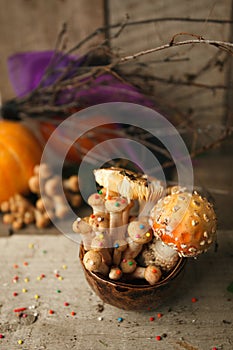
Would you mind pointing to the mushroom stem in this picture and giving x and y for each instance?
(151, 274)
(96, 201)
(93, 262)
(132, 250)
(119, 246)
(126, 212)
(115, 206)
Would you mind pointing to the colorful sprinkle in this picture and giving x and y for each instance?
(15, 279)
(154, 270)
(44, 251)
(116, 245)
(120, 319)
(100, 318)
(124, 260)
(151, 319)
(92, 216)
(25, 263)
(66, 304)
(15, 266)
(97, 196)
(24, 315)
(137, 235)
(26, 280)
(15, 294)
(141, 226)
(51, 312)
(100, 192)
(42, 275)
(36, 296)
(159, 315)
(1, 336)
(118, 272)
(30, 245)
(130, 263)
(20, 309)
(38, 278)
(60, 278)
(24, 290)
(214, 348)
(194, 300)
(20, 341)
(117, 204)
(148, 234)
(158, 337)
(73, 313)
(58, 291)
(64, 267)
(101, 236)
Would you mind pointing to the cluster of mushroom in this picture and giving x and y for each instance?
(20, 211)
(121, 243)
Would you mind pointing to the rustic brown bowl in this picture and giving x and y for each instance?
(135, 295)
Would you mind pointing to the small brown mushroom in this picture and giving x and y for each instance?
(151, 274)
(128, 265)
(99, 222)
(140, 233)
(93, 262)
(97, 202)
(100, 243)
(71, 184)
(115, 273)
(119, 246)
(81, 226)
(115, 206)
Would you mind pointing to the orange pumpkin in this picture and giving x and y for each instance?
(20, 151)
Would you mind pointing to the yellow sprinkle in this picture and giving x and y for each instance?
(148, 234)
(30, 245)
(60, 278)
(20, 341)
(36, 296)
(64, 267)
(101, 236)
(24, 290)
(26, 280)
(38, 278)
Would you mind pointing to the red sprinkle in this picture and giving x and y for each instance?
(16, 278)
(24, 315)
(152, 319)
(25, 263)
(15, 266)
(20, 309)
(73, 313)
(194, 300)
(42, 276)
(159, 315)
(15, 294)
(92, 216)
(158, 337)
(215, 348)
(1, 336)
(66, 304)
(51, 312)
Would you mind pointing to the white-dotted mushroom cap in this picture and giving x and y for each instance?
(184, 221)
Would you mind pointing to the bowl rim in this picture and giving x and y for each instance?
(174, 272)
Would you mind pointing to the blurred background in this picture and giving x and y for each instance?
(192, 84)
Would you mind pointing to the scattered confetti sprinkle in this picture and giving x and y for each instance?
(120, 319)
(60, 278)
(66, 304)
(15, 294)
(38, 278)
(100, 318)
(1, 336)
(159, 315)
(26, 280)
(64, 267)
(44, 251)
(25, 263)
(194, 300)
(36, 296)
(20, 341)
(214, 348)
(20, 309)
(24, 315)
(151, 319)
(31, 246)
(24, 290)
(158, 337)
(51, 312)
(58, 291)
(73, 313)
(15, 266)
(42, 275)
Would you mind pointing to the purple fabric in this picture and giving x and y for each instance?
(26, 71)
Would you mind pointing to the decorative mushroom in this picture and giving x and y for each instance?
(92, 261)
(185, 222)
(151, 274)
(119, 246)
(115, 206)
(81, 226)
(97, 202)
(128, 265)
(100, 243)
(115, 273)
(99, 222)
(140, 233)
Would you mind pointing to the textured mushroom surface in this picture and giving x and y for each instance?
(184, 221)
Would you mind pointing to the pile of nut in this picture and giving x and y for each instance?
(20, 211)
(122, 244)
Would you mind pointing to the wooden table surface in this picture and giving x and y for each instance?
(201, 325)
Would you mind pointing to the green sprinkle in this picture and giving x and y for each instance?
(58, 291)
(117, 204)
(130, 263)
(44, 251)
(100, 192)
